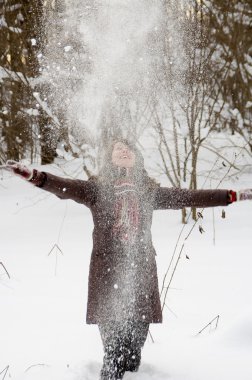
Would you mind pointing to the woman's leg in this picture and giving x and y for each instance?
(136, 336)
(114, 351)
(122, 344)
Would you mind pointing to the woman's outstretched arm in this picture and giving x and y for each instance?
(80, 191)
(173, 198)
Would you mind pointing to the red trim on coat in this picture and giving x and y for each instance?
(232, 196)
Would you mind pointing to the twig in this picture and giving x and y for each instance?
(35, 365)
(62, 223)
(5, 370)
(33, 204)
(235, 157)
(56, 256)
(174, 270)
(209, 324)
(186, 238)
(179, 236)
(220, 155)
(57, 247)
(5, 269)
(175, 315)
(173, 255)
(151, 336)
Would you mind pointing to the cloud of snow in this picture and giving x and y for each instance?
(109, 59)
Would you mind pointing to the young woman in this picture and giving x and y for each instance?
(123, 295)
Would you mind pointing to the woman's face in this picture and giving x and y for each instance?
(122, 156)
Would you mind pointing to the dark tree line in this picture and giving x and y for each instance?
(25, 128)
(230, 27)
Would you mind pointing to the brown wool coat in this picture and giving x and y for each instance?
(123, 283)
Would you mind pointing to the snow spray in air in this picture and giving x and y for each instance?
(99, 61)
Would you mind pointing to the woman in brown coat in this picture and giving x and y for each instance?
(123, 295)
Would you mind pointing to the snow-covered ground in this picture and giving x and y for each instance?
(43, 334)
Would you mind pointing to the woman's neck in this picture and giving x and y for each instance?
(124, 172)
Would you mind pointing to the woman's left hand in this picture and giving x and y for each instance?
(244, 195)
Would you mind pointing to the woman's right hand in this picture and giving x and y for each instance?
(19, 169)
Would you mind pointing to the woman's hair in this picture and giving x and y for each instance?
(110, 172)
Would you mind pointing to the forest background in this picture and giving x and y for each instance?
(179, 72)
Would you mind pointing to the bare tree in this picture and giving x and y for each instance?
(21, 42)
(230, 32)
(189, 105)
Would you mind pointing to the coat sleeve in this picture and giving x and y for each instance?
(83, 192)
(173, 198)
